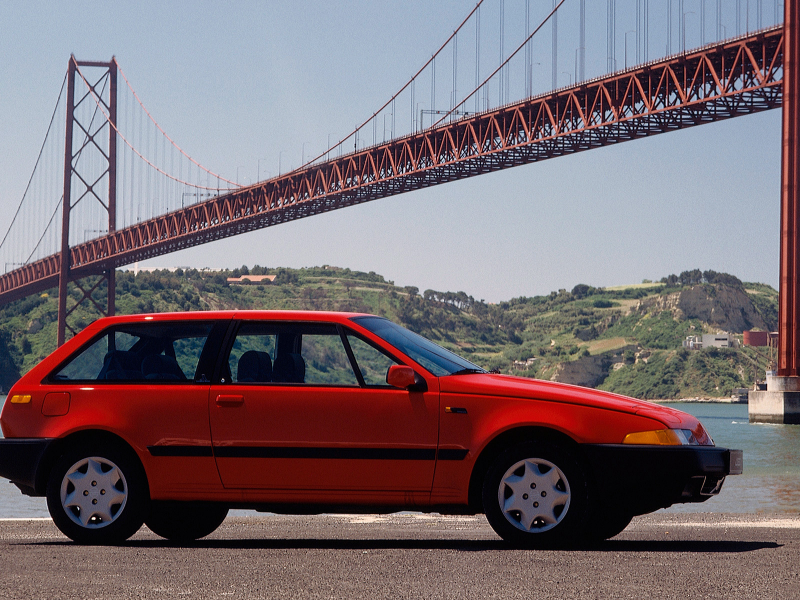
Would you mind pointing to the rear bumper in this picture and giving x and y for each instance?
(645, 478)
(19, 461)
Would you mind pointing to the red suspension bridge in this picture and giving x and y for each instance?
(169, 202)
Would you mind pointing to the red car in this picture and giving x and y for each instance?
(172, 419)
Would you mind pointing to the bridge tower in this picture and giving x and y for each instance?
(86, 135)
(780, 402)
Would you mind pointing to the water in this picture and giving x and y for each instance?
(770, 482)
(13, 505)
(771, 478)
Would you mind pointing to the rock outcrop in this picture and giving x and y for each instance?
(724, 307)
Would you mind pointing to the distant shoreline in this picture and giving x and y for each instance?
(699, 400)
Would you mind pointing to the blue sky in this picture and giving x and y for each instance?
(242, 85)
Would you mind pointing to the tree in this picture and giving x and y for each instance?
(286, 277)
(581, 290)
(693, 277)
(722, 278)
(670, 280)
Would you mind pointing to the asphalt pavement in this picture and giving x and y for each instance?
(686, 556)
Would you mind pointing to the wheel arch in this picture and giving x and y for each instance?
(499, 444)
(88, 436)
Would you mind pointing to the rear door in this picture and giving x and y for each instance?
(290, 413)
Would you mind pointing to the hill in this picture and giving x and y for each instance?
(626, 339)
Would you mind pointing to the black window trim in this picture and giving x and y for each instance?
(352, 357)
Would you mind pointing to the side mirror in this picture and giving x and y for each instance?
(405, 378)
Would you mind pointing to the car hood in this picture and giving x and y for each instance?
(489, 384)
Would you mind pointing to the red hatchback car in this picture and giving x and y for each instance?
(172, 419)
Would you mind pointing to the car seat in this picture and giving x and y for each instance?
(121, 365)
(162, 368)
(254, 367)
(289, 368)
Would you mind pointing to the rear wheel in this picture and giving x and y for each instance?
(97, 494)
(535, 495)
(185, 521)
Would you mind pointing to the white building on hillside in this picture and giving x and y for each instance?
(711, 340)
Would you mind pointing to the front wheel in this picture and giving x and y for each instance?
(97, 494)
(535, 495)
(185, 521)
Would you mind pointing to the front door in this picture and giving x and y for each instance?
(291, 414)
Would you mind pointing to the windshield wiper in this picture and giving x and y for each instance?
(468, 371)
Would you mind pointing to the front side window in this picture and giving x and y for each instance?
(373, 364)
(433, 357)
(144, 352)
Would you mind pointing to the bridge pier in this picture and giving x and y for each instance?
(780, 402)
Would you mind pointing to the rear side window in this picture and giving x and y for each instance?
(143, 352)
(293, 353)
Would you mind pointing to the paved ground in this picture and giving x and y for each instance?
(687, 556)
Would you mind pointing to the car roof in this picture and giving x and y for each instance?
(261, 315)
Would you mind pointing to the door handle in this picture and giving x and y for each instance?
(229, 400)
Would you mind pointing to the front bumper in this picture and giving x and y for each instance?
(645, 478)
(20, 459)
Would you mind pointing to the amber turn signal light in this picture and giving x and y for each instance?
(662, 437)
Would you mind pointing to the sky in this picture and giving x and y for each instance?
(242, 86)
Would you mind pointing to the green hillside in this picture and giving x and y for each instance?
(625, 339)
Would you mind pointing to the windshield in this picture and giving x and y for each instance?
(433, 357)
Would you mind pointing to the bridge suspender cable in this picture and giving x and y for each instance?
(61, 199)
(140, 155)
(417, 74)
(38, 158)
(503, 64)
(402, 89)
(44, 233)
(164, 133)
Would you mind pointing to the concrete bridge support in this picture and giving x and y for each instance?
(779, 403)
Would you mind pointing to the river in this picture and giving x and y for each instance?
(770, 482)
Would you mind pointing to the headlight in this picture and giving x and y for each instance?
(663, 437)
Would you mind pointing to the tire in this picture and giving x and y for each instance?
(97, 493)
(535, 495)
(185, 521)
